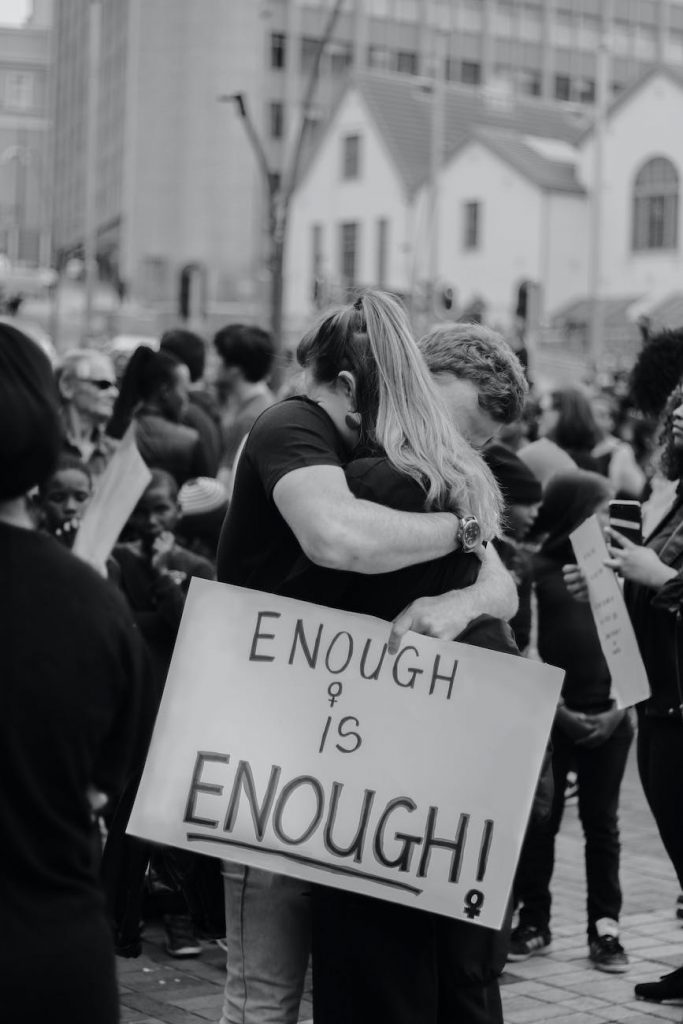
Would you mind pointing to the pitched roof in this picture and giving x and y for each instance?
(673, 74)
(551, 175)
(578, 312)
(401, 109)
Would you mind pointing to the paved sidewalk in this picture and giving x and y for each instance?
(562, 987)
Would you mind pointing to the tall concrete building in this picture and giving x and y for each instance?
(180, 199)
(24, 109)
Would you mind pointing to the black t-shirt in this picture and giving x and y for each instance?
(382, 594)
(257, 549)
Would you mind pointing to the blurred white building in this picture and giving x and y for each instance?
(514, 200)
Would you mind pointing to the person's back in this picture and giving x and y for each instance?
(71, 710)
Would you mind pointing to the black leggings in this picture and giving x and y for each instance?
(660, 763)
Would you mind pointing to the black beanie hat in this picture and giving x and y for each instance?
(518, 484)
(30, 425)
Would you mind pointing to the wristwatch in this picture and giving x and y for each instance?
(468, 533)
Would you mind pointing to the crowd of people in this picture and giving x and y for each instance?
(419, 481)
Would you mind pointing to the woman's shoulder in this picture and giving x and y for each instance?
(374, 478)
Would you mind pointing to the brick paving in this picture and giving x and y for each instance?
(561, 987)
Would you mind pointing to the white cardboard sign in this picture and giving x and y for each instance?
(117, 492)
(617, 639)
(290, 740)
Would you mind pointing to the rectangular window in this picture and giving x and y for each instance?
(348, 235)
(563, 87)
(351, 157)
(585, 90)
(278, 45)
(406, 62)
(378, 57)
(471, 225)
(530, 82)
(309, 49)
(470, 72)
(382, 251)
(316, 263)
(341, 57)
(19, 89)
(589, 32)
(277, 120)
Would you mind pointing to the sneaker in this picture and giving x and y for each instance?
(528, 940)
(605, 950)
(222, 944)
(669, 986)
(181, 940)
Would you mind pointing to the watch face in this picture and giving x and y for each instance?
(471, 533)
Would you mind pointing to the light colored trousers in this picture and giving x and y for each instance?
(268, 931)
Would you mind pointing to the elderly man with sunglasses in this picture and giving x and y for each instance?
(87, 390)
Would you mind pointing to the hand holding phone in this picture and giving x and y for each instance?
(626, 517)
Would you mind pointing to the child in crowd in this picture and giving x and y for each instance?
(590, 735)
(522, 494)
(154, 571)
(63, 497)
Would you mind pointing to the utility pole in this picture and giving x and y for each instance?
(90, 226)
(597, 319)
(280, 190)
(436, 151)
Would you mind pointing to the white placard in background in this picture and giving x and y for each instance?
(617, 639)
(290, 740)
(117, 492)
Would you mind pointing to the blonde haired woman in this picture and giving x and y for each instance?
(367, 389)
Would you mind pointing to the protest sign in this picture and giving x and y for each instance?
(289, 739)
(615, 632)
(116, 494)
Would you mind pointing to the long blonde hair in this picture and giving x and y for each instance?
(401, 409)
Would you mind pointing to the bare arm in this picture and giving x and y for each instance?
(446, 616)
(339, 531)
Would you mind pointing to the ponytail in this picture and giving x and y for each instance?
(145, 373)
(400, 406)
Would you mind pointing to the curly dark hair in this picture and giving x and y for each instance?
(657, 371)
(671, 457)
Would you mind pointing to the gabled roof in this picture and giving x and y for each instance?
(401, 109)
(550, 175)
(578, 312)
(673, 74)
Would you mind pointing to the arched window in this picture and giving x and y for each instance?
(655, 206)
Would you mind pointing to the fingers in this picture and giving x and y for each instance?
(400, 626)
(624, 542)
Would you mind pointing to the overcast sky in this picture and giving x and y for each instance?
(13, 12)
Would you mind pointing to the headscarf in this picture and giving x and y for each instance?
(569, 499)
(30, 425)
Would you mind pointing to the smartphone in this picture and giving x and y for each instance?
(626, 517)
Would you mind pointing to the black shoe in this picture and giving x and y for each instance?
(670, 986)
(608, 954)
(528, 940)
(679, 908)
(181, 940)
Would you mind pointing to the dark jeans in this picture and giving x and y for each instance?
(660, 763)
(600, 771)
(378, 961)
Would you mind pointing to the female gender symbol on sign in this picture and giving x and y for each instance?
(334, 690)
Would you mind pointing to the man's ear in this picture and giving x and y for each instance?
(65, 386)
(346, 383)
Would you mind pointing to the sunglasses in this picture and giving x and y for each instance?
(101, 385)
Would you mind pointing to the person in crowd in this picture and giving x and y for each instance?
(545, 459)
(614, 456)
(590, 735)
(291, 498)
(63, 498)
(522, 494)
(203, 507)
(654, 596)
(72, 684)
(87, 389)
(201, 412)
(246, 360)
(153, 572)
(154, 397)
(567, 419)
